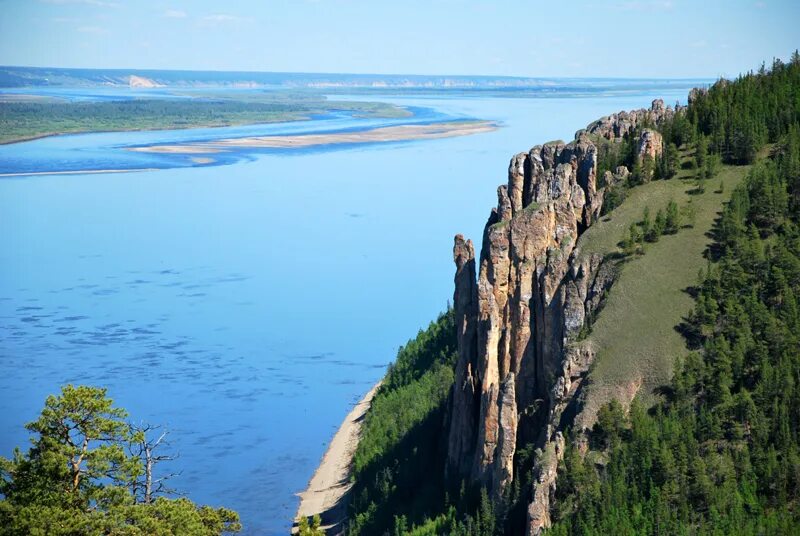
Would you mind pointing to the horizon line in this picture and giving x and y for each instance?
(329, 73)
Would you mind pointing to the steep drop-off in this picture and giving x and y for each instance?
(521, 306)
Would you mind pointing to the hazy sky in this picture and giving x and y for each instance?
(659, 38)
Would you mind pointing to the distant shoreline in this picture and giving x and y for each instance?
(328, 488)
(33, 137)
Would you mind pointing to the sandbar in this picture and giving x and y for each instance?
(74, 172)
(374, 135)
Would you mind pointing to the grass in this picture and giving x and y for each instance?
(635, 334)
(532, 207)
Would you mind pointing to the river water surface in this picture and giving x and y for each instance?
(245, 306)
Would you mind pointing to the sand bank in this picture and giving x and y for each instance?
(374, 135)
(74, 172)
(327, 490)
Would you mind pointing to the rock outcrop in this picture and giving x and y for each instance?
(531, 298)
(616, 126)
(521, 360)
(650, 145)
(697, 92)
(463, 403)
(544, 485)
(619, 175)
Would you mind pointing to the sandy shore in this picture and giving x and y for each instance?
(374, 135)
(328, 488)
(76, 172)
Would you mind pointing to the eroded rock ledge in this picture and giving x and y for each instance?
(519, 317)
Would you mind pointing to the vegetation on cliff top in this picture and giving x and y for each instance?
(719, 450)
(720, 453)
(649, 296)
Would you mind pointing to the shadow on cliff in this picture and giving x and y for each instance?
(406, 480)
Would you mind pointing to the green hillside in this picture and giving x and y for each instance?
(635, 335)
(693, 397)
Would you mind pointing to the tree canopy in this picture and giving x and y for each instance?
(79, 477)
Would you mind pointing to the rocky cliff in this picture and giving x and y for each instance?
(521, 306)
(616, 126)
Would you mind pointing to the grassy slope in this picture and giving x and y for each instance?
(635, 335)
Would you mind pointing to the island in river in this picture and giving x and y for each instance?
(25, 116)
(372, 135)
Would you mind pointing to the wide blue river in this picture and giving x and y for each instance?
(245, 306)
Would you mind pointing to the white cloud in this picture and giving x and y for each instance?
(699, 44)
(760, 5)
(175, 14)
(221, 17)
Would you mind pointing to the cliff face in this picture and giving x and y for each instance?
(520, 363)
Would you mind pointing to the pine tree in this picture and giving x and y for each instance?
(76, 478)
(701, 154)
(659, 225)
(672, 219)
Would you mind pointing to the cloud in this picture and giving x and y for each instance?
(94, 30)
(221, 17)
(175, 14)
(699, 44)
(760, 5)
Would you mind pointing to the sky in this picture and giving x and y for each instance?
(578, 38)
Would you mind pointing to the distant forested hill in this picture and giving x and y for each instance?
(11, 76)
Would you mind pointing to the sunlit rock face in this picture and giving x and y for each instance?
(528, 300)
(521, 305)
(617, 126)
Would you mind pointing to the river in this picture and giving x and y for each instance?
(246, 306)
